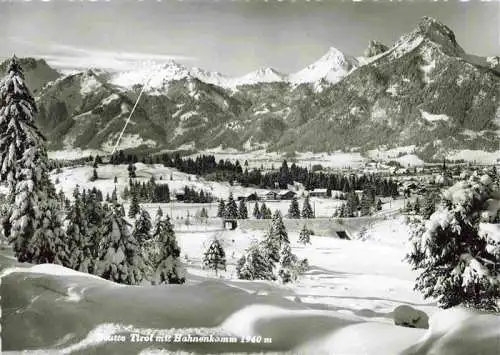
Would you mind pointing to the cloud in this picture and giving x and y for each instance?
(67, 58)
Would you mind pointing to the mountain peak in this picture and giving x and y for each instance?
(432, 32)
(332, 67)
(434, 29)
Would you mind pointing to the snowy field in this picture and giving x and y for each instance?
(71, 177)
(343, 304)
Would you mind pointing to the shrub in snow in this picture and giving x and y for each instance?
(120, 256)
(410, 317)
(214, 257)
(457, 263)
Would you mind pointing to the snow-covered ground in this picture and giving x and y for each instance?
(343, 304)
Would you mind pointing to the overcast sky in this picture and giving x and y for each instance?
(232, 37)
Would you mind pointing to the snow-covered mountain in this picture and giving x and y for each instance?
(424, 90)
(332, 67)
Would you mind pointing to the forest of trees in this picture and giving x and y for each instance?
(225, 170)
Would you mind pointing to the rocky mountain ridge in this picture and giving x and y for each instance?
(424, 90)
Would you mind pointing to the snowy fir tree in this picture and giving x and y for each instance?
(305, 235)
(77, 231)
(255, 264)
(456, 261)
(32, 197)
(120, 256)
(256, 211)
(416, 206)
(307, 211)
(365, 207)
(242, 210)
(214, 258)
(159, 214)
(287, 264)
(265, 212)
(294, 210)
(166, 265)
(221, 209)
(142, 227)
(276, 237)
(134, 208)
(231, 211)
(49, 243)
(428, 205)
(114, 196)
(94, 175)
(203, 213)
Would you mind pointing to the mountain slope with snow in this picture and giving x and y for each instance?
(424, 90)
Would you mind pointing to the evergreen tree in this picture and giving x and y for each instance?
(134, 208)
(276, 237)
(231, 211)
(121, 210)
(221, 209)
(287, 262)
(351, 205)
(49, 243)
(265, 212)
(159, 214)
(307, 211)
(32, 223)
(305, 235)
(131, 171)
(214, 257)
(94, 214)
(114, 196)
(379, 205)
(142, 227)
(293, 210)
(78, 243)
(166, 265)
(365, 204)
(428, 206)
(120, 256)
(242, 210)
(203, 213)
(456, 263)
(256, 212)
(94, 175)
(255, 265)
(416, 206)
